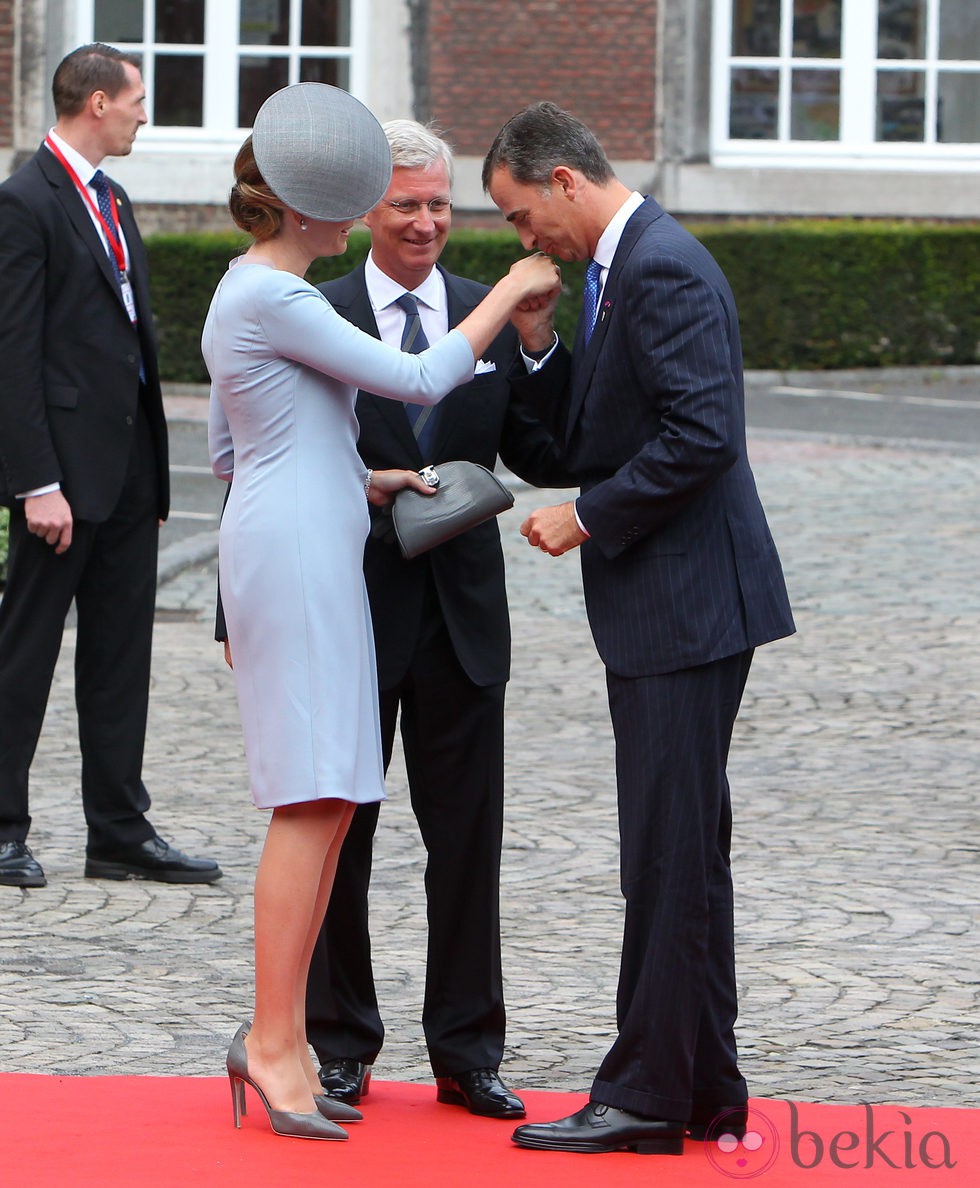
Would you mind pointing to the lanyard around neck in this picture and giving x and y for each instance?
(112, 234)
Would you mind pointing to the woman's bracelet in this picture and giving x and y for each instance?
(367, 482)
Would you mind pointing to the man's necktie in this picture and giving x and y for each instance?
(104, 197)
(590, 297)
(420, 416)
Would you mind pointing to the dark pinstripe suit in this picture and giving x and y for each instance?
(682, 582)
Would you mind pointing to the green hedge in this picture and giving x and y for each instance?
(811, 294)
(184, 270)
(853, 294)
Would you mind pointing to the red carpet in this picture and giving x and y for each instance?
(171, 1132)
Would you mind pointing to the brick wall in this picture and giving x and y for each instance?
(6, 73)
(181, 218)
(487, 60)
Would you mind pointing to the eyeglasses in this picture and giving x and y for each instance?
(438, 207)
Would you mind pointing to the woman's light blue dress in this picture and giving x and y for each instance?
(285, 369)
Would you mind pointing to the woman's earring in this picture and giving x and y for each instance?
(302, 224)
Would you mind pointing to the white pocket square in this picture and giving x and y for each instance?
(483, 366)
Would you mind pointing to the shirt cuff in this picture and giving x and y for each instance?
(578, 520)
(535, 359)
(48, 490)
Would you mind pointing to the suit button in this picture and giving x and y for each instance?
(129, 420)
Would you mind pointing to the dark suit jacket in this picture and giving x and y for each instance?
(681, 568)
(69, 355)
(476, 422)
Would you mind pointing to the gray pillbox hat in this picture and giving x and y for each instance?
(321, 152)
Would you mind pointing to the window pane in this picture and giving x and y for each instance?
(180, 22)
(815, 105)
(755, 28)
(901, 28)
(118, 20)
(257, 79)
(264, 22)
(959, 29)
(335, 71)
(816, 28)
(901, 105)
(325, 22)
(755, 104)
(178, 92)
(958, 117)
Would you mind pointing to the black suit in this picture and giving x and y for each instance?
(73, 410)
(442, 634)
(681, 582)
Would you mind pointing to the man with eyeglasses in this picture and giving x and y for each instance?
(443, 645)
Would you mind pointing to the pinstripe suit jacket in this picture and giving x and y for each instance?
(681, 568)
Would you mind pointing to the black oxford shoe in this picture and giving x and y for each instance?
(482, 1092)
(710, 1122)
(345, 1079)
(597, 1129)
(19, 867)
(153, 859)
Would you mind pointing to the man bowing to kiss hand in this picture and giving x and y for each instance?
(681, 582)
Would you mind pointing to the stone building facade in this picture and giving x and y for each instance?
(719, 108)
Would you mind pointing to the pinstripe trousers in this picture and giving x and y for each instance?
(677, 1001)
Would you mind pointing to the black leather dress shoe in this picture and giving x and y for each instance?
(482, 1092)
(598, 1128)
(153, 859)
(708, 1122)
(345, 1079)
(19, 867)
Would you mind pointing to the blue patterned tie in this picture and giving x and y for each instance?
(104, 196)
(414, 341)
(590, 297)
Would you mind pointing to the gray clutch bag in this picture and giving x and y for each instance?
(466, 495)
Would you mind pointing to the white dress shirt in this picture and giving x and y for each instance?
(383, 292)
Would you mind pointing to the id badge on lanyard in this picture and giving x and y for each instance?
(113, 234)
(129, 298)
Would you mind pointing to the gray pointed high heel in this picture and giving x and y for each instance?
(338, 1111)
(310, 1126)
(329, 1107)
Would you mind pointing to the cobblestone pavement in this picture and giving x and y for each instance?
(854, 774)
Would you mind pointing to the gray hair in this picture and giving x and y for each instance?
(533, 142)
(416, 146)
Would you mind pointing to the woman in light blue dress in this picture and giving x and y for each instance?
(285, 369)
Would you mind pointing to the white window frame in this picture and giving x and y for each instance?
(221, 51)
(856, 148)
